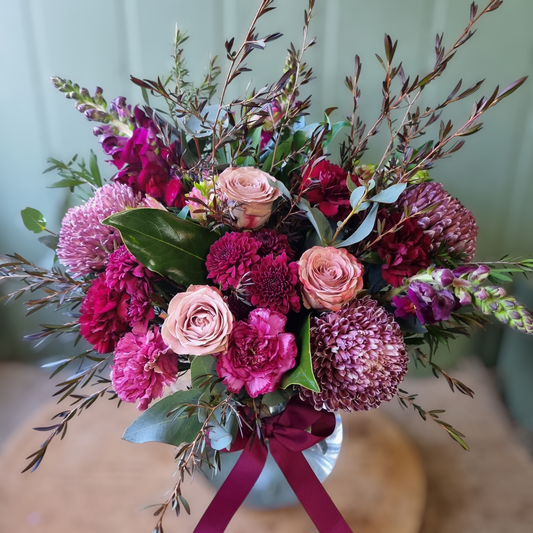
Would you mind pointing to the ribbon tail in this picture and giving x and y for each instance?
(312, 495)
(234, 490)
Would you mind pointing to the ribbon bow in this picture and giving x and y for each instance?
(288, 438)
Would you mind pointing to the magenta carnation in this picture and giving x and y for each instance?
(84, 242)
(143, 365)
(274, 284)
(259, 353)
(273, 243)
(104, 316)
(359, 357)
(231, 257)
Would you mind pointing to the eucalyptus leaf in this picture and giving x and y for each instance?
(389, 195)
(363, 230)
(281, 186)
(33, 219)
(166, 244)
(202, 367)
(318, 220)
(219, 437)
(351, 184)
(154, 424)
(356, 196)
(50, 241)
(302, 374)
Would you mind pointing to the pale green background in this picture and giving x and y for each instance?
(102, 42)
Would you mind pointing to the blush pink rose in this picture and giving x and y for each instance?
(199, 322)
(330, 277)
(251, 195)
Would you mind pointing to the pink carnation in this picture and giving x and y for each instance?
(104, 316)
(143, 365)
(259, 353)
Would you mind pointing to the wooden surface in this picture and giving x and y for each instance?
(94, 482)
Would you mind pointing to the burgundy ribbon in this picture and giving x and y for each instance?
(288, 438)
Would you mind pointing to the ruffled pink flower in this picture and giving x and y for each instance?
(273, 284)
(104, 316)
(231, 257)
(259, 353)
(199, 322)
(143, 365)
(84, 242)
(330, 277)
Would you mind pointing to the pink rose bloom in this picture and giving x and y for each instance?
(199, 322)
(143, 365)
(259, 353)
(330, 277)
(250, 194)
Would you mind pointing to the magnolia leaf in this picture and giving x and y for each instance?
(166, 244)
(302, 374)
(318, 220)
(33, 219)
(389, 195)
(363, 230)
(156, 425)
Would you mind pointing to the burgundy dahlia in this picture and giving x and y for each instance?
(325, 186)
(404, 252)
(259, 353)
(359, 357)
(143, 365)
(273, 243)
(274, 284)
(448, 222)
(104, 316)
(84, 242)
(231, 257)
(125, 274)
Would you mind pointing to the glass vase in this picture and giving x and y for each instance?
(272, 490)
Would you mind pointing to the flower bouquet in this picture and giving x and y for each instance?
(229, 248)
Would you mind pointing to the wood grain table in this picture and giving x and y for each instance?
(92, 481)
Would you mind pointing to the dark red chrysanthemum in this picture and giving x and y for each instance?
(104, 316)
(125, 274)
(273, 243)
(273, 284)
(231, 257)
(359, 357)
(404, 252)
(325, 187)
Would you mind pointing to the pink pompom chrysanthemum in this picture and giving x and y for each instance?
(359, 357)
(143, 365)
(84, 242)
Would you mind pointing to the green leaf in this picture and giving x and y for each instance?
(318, 219)
(50, 241)
(33, 219)
(256, 138)
(275, 398)
(277, 184)
(67, 182)
(166, 244)
(356, 196)
(202, 367)
(302, 373)
(95, 171)
(155, 426)
(389, 195)
(363, 230)
(335, 128)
